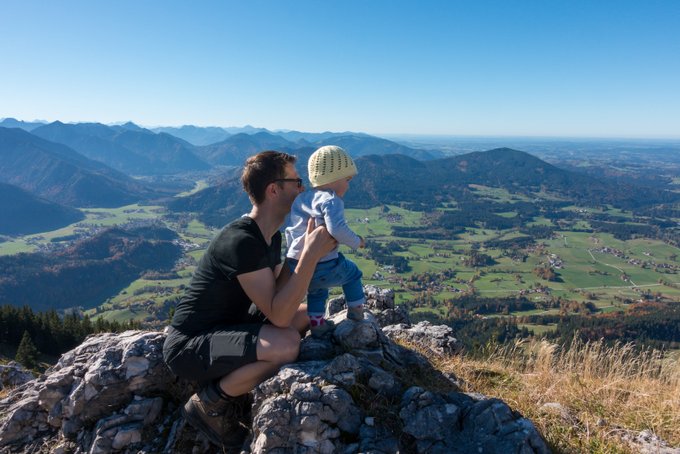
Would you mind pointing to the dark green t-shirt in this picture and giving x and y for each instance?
(215, 296)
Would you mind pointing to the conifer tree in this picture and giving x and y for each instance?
(27, 354)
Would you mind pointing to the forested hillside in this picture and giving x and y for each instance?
(89, 271)
(23, 213)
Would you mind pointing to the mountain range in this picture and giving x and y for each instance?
(73, 165)
(212, 134)
(234, 150)
(23, 213)
(25, 125)
(90, 164)
(60, 174)
(138, 151)
(133, 150)
(388, 179)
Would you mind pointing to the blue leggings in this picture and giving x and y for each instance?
(338, 272)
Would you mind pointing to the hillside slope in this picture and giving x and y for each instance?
(426, 185)
(23, 213)
(62, 175)
(133, 150)
(88, 272)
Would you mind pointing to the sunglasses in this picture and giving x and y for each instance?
(295, 180)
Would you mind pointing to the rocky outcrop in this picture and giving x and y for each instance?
(380, 302)
(13, 375)
(98, 398)
(364, 400)
(354, 391)
(436, 339)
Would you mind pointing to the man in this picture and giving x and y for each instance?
(241, 317)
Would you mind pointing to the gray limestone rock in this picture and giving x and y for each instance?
(14, 374)
(647, 442)
(437, 339)
(101, 383)
(379, 303)
(350, 392)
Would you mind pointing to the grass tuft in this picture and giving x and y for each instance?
(586, 397)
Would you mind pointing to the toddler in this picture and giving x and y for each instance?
(330, 170)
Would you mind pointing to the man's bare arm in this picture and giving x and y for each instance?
(279, 303)
(283, 275)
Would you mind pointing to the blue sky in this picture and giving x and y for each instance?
(509, 68)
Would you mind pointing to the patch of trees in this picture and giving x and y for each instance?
(547, 273)
(479, 333)
(484, 306)
(433, 276)
(661, 210)
(427, 232)
(519, 242)
(86, 273)
(48, 332)
(564, 215)
(475, 258)
(474, 215)
(650, 324)
(537, 232)
(383, 254)
(625, 231)
(468, 305)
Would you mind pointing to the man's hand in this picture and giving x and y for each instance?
(318, 241)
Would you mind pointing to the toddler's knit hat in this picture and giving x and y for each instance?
(328, 164)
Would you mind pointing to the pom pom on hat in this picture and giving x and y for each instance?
(328, 164)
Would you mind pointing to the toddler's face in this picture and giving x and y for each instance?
(340, 186)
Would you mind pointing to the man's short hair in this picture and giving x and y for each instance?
(262, 169)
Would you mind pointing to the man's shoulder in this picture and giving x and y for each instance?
(242, 225)
(236, 231)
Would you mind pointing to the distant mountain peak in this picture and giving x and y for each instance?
(10, 122)
(133, 127)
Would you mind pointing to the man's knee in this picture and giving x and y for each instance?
(290, 345)
(283, 345)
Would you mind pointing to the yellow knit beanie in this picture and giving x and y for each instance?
(328, 164)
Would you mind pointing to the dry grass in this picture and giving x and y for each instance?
(604, 392)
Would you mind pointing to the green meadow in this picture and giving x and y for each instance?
(585, 273)
(94, 217)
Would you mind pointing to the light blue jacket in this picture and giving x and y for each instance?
(327, 209)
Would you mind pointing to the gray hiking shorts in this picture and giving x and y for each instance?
(211, 354)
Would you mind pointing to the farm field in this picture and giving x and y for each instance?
(94, 218)
(592, 266)
(589, 267)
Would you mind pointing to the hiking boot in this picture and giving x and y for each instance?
(221, 420)
(356, 313)
(323, 330)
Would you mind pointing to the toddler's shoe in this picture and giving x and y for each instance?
(356, 313)
(323, 330)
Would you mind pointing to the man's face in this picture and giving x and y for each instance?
(290, 188)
